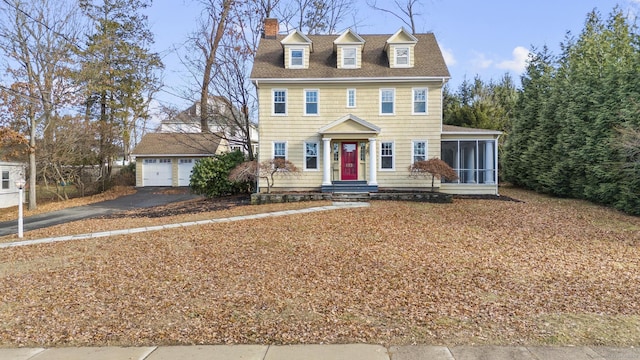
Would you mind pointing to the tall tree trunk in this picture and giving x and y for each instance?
(32, 168)
(217, 31)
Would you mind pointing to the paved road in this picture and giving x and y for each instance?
(143, 198)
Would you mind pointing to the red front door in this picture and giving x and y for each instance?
(349, 161)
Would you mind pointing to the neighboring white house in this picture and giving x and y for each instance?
(224, 121)
(166, 157)
(9, 173)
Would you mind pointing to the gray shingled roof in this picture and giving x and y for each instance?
(269, 60)
(177, 144)
(452, 129)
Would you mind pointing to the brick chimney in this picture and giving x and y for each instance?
(270, 28)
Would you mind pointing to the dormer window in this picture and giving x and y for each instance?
(349, 57)
(402, 56)
(297, 49)
(399, 49)
(348, 49)
(296, 58)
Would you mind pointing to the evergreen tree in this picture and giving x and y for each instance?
(117, 73)
(572, 117)
(529, 108)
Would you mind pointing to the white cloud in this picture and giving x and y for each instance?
(480, 61)
(519, 61)
(449, 59)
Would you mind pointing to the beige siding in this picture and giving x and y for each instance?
(468, 189)
(401, 128)
(174, 172)
(139, 161)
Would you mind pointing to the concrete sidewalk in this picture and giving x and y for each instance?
(323, 352)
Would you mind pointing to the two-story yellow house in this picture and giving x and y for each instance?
(354, 111)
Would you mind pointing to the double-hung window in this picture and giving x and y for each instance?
(351, 98)
(386, 156)
(311, 102)
(402, 56)
(419, 151)
(349, 57)
(279, 102)
(311, 156)
(280, 150)
(5, 180)
(296, 59)
(387, 101)
(420, 101)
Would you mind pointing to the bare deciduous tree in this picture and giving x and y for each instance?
(250, 171)
(211, 28)
(315, 16)
(405, 11)
(37, 39)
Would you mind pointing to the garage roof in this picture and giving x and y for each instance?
(178, 144)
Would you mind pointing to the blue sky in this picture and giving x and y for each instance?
(487, 38)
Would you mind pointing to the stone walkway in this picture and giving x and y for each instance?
(336, 205)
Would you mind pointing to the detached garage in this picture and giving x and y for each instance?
(166, 159)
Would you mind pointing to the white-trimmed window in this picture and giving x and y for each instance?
(311, 156)
(418, 151)
(311, 102)
(387, 155)
(6, 181)
(296, 58)
(349, 59)
(279, 101)
(387, 101)
(420, 101)
(351, 98)
(402, 56)
(280, 150)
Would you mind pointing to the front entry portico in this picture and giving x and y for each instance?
(345, 156)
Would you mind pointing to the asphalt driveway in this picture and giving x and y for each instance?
(143, 198)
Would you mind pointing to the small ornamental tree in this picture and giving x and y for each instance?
(435, 168)
(250, 171)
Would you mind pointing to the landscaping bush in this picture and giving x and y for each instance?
(210, 176)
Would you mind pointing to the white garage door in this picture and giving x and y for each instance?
(156, 172)
(184, 171)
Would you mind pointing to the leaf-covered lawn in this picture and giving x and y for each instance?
(543, 271)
